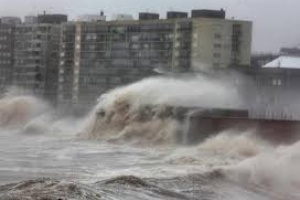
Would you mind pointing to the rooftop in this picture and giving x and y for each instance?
(284, 61)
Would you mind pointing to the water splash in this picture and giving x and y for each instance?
(236, 144)
(149, 110)
(16, 111)
(276, 172)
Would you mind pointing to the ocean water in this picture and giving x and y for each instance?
(129, 147)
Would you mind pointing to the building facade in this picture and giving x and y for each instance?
(51, 18)
(220, 43)
(6, 54)
(11, 20)
(104, 55)
(273, 93)
(36, 56)
(98, 56)
(30, 19)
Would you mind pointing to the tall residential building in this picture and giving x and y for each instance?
(220, 43)
(36, 57)
(11, 20)
(6, 53)
(51, 18)
(98, 56)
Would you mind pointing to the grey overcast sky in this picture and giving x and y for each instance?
(276, 22)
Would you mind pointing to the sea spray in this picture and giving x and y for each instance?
(16, 111)
(275, 172)
(149, 110)
(225, 148)
(236, 144)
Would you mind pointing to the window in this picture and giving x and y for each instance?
(216, 65)
(146, 46)
(217, 36)
(90, 36)
(92, 47)
(217, 55)
(135, 38)
(36, 53)
(135, 46)
(217, 46)
(276, 82)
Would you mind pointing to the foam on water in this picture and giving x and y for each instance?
(236, 144)
(276, 172)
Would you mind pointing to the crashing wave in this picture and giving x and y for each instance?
(150, 111)
(236, 144)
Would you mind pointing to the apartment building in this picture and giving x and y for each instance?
(219, 43)
(51, 18)
(6, 53)
(11, 20)
(36, 57)
(98, 56)
(104, 55)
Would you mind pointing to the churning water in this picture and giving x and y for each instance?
(128, 148)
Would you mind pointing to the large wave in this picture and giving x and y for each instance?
(151, 111)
